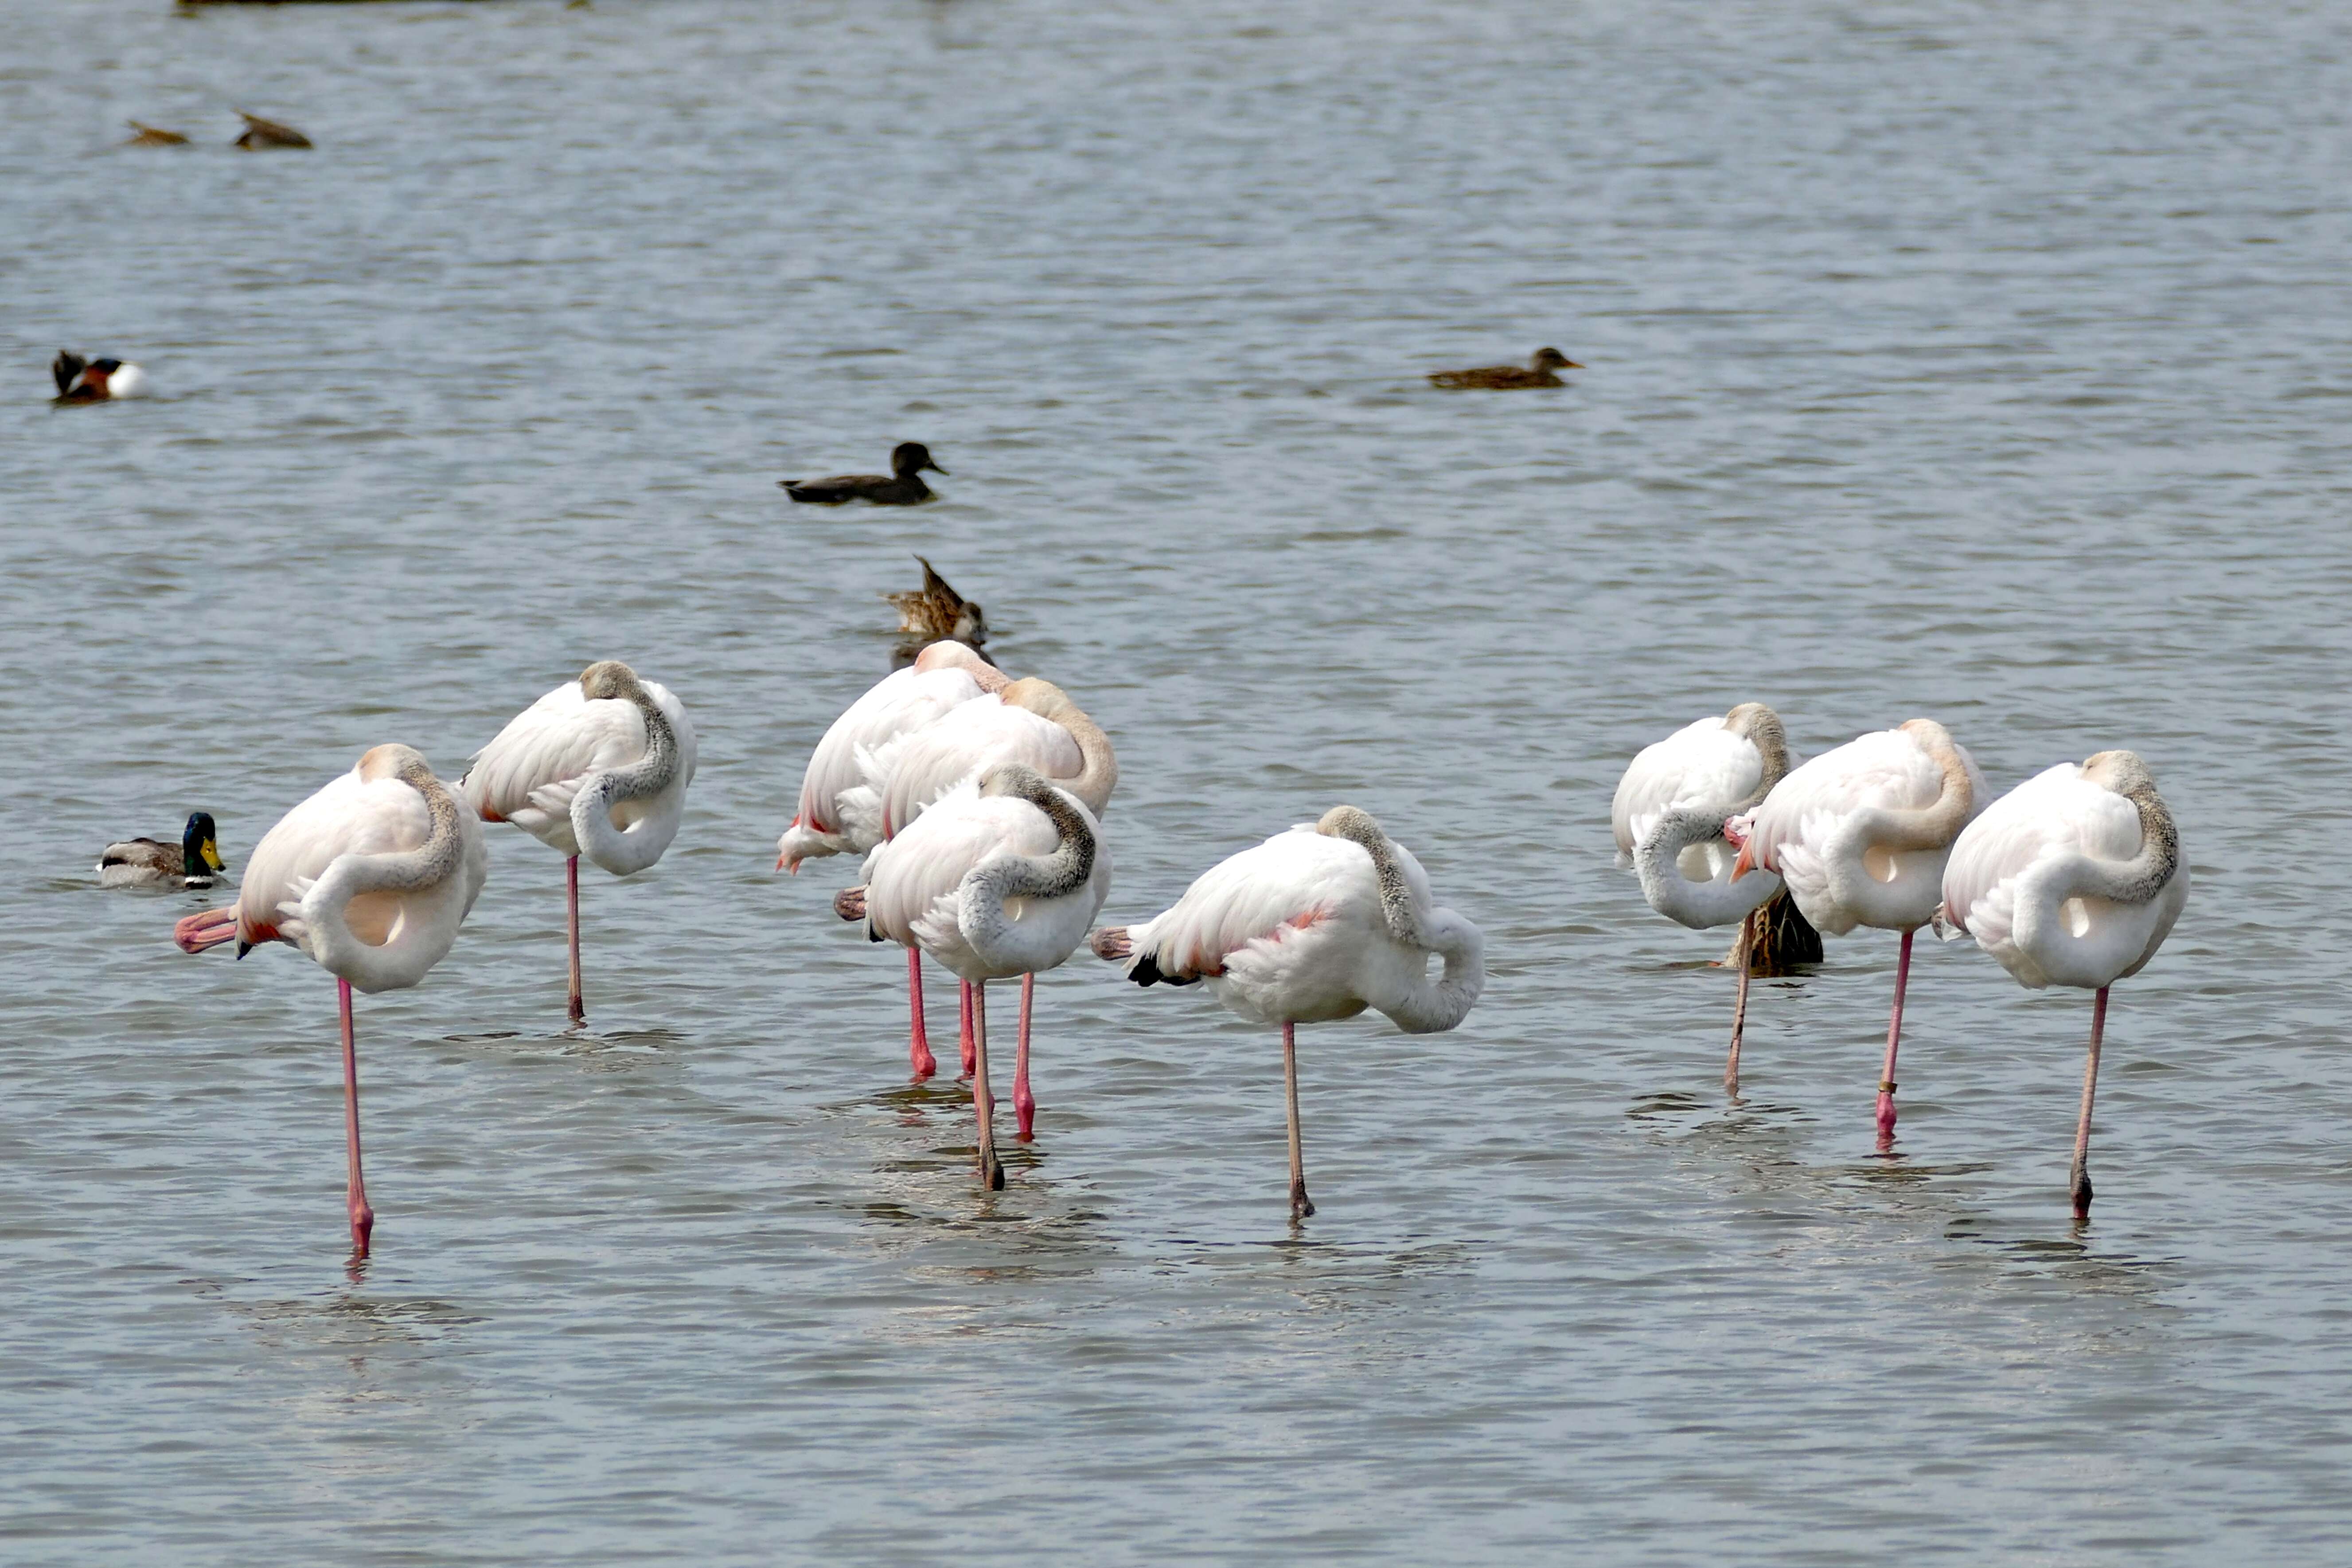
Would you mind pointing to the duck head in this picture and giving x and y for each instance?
(908, 458)
(198, 846)
(1552, 359)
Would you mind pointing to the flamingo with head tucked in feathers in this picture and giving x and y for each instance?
(2073, 877)
(1860, 835)
(1030, 722)
(597, 767)
(1668, 816)
(372, 877)
(840, 812)
(1317, 924)
(1002, 876)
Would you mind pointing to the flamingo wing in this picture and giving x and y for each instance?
(1294, 879)
(349, 816)
(926, 763)
(1883, 768)
(2056, 811)
(904, 701)
(1701, 766)
(530, 770)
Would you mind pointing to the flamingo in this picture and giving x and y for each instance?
(1860, 835)
(1030, 722)
(2073, 877)
(1002, 876)
(840, 813)
(372, 877)
(1315, 924)
(598, 766)
(1668, 817)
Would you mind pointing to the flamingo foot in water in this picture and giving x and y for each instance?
(363, 1226)
(1885, 1115)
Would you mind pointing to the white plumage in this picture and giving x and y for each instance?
(1293, 931)
(917, 893)
(839, 810)
(1833, 829)
(2020, 879)
(1703, 769)
(917, 768)
(312, 882)
(532, 774)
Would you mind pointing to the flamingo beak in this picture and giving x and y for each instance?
(1747, 861)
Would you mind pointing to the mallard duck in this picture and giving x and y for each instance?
(83, 380)
(194, 862)
(154, 136)
(261, 134)
(936, 613)
(1503, 377)
(904, 488)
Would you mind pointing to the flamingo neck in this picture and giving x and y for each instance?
(1932, 826)
(987, 889)
(650, 775)
(2145, 874)
(1430, 1009)
(1397, 907)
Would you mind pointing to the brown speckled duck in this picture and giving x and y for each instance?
(905, 486)
(1507, 377)
(261, 134)
(936, 613)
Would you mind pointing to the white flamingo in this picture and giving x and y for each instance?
(1668, 817)
(1002, 876)
(372, 877)
(841, 813)
(1860, 835)
(2073, 877)
(1030, 722)
(1317, 924)
(598, 766)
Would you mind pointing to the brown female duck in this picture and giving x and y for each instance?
(1506, 377)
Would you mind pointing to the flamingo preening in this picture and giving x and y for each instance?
(1668, 817)
(372, 877)
(1860, 836)
(1317, 924)
(598, 767)
(1002, 876)
(2073, 877)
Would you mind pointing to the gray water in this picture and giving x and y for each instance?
(1981, 361)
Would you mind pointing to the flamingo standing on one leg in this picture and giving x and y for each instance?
(1000, 876)
(1030, 722)
(841, 813)
(372, 877)
(1860, 835)
(1317, 924)
(598, 766)
(1668, 817)
(2073, 877)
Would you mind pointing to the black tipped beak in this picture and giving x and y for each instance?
(243, 947)
(936, 469)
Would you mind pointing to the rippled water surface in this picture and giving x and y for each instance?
(1984, 361)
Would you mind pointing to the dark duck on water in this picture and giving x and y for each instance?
(905, 487)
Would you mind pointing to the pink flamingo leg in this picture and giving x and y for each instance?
(983, 1104)
(572, 932)
(965, 1036)
(1894, 1038)
(919, 1043)
(2081, 1180)
(1024, 1104)
(362, 1216)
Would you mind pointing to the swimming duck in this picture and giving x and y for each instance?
(936, 613)
(261, 134)
(904, 488)
(194, 862)
(1502, 377)
(154, 136)
(83, 380)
